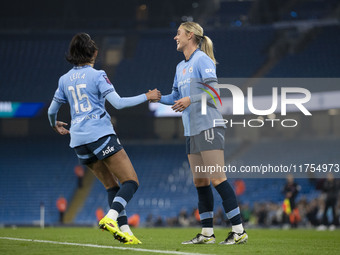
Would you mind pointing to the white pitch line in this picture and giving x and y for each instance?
(102, 246)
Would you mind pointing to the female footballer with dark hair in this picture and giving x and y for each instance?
(92, 134)
(205, 143)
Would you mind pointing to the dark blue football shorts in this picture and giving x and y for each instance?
(102, 148)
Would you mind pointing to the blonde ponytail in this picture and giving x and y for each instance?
(208, 48)
(205, 43)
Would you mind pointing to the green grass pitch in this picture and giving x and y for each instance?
(261, 241)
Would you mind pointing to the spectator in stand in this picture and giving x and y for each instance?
(312, 212)
(291, 190)
(149, 220)
(330, 188)
(219, 219)
(79, 171)
(245, 212)
(240, 187)
(134, 220)
(62, 206)
(100, 214)
(183, 218)
(159, 222)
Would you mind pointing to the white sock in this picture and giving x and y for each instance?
(237, 228)
(112, 214)
(207, 231)
(126, 228)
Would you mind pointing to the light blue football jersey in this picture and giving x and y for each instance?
(85, 88)
(187, 83)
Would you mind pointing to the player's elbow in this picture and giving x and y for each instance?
(50, 111)
(118, 106)
(115, 100)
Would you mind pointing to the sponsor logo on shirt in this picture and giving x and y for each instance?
(210, 70)
(184, 71)
(108, 150)
(186, 81)
(87, 117)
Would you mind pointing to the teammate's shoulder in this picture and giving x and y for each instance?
(98, 73)
(201, 55)
(101, 76)
(65, 75)
(94, 74)
(94, 71)
(180, 64)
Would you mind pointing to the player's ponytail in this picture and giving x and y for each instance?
(208, 48)
(201, 40)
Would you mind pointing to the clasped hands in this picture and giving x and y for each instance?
(180, 105)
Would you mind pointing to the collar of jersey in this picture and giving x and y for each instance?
(80, 67)
(192, 54)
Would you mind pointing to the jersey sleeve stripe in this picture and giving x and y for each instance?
(58, 100)
(211, 79)
(107, 92)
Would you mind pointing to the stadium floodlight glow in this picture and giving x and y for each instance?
(239, 100)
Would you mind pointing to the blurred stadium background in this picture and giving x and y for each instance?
(263, 38)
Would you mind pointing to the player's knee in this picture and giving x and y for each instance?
(135, 179)
(217, 181)
(200, 182)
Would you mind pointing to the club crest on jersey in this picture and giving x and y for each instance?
(107, 79)
(190, 69)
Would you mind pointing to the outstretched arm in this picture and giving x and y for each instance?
(171, 98)
(122, 102)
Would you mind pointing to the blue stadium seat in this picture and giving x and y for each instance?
(320, 58)
(163, 171)
(33, 65)
(30, 178)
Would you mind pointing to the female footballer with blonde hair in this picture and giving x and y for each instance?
(204, 141)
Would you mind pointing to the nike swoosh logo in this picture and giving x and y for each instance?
(239, 239)
(207, 240)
